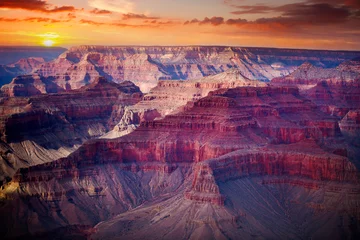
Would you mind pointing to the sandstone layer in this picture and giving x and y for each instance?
(169, 96)
(214, 169)
(46, 127)
(145, 66)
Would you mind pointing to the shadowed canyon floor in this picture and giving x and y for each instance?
(218, 157)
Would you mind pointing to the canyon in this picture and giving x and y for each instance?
(145, 66)
(15, 61)
(46, 127)
(218, 154)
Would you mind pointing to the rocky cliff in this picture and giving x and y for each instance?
(334, 90)
(22, 67)
(219, 157)
(196, 159)
(15, 61)
(146, 65)
(170, 96)
(45, 127)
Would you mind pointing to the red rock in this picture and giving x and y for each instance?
(42, 128)
(225, 121)
(146, 65)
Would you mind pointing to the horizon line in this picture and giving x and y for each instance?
(209, 45)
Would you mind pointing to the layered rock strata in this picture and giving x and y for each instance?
(145, 66)
(46, 127)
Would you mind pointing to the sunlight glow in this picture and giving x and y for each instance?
(48, 43)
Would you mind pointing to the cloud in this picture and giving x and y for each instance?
(312, 12)
(120, 6)
(34, 5)
(137, 16)
(195, 20)
(148, 24)
(253, 9)
(100, 12)
(34, 19)
(215, 21)
(236, 21)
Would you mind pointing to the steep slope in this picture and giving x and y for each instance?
(169, 96)
(146, 65)
(242, 162)
(21, 67)
(30, 85)
(334, 90)
(46, 127)
(307, 75)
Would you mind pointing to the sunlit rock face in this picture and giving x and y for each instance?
(334, 90)
(171, 96)
(214, 169)
(46, 127)
(145, 66)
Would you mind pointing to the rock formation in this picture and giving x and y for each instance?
(146, 65)
(334, 90)
(43, 128)
(15, 61)
(30, 85)
(180, 175)
(170, 96)
(226, 156)
(21, 67)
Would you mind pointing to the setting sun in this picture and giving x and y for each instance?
(48, 43)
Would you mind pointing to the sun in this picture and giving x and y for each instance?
(48, 43)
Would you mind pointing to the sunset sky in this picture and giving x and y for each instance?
(315, 24)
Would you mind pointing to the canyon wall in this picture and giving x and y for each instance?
(145, 66)
(46, 127)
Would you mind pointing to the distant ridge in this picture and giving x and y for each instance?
(12, 54)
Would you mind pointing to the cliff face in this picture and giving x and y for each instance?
(190, 163)
(30, 85)
(334, 90)
(21, 67)
(15, 61)
(223, 156)
(146, 65)
(171, 96)
(225, 121)
(46, 127)
(308, 74)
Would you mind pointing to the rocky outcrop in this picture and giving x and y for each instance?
(45, 127)
(15, 61)
(30, 85)
(145, 66)
(272, 161)
(334, 90)
(171, 96)
(307, 75)
(222, 156)
(350, 125)
(225, 121)
(202, 161)
(21, 67)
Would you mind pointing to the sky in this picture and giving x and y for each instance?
(310, 24)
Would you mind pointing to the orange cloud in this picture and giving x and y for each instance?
(32, 19)
(152, 24)
(137, 16)
(35, 5)
(100, 12)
